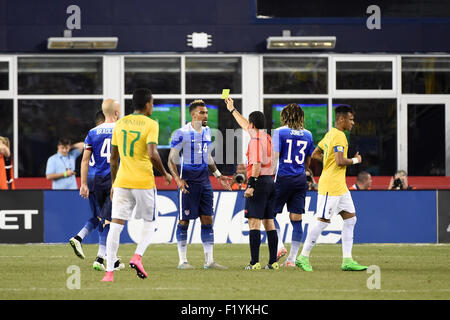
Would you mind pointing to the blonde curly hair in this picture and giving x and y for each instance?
(293, 116)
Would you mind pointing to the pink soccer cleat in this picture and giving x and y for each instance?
(136, 263)
(281, 253)
(109, 277)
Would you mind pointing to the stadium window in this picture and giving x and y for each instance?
(43, 122)
(161, 75)
(6, 120)
(167, 112)
(429, 119)
(295, 75)
(426, 75)
(4, 75)
(209, 75)
(60, 75)
(374, 135)
(364, 75)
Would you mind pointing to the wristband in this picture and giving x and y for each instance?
(252, 182)
(355, 160)
(217, 173)
(234, 109)
(65, 174)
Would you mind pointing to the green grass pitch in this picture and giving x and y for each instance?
(39, 271)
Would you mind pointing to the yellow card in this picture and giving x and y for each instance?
(225, 93)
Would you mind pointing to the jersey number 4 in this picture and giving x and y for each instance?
(300, 143)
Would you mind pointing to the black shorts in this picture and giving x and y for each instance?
(261, 205)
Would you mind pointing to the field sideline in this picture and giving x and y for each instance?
(39, 271)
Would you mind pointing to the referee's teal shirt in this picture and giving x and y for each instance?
(58, 163)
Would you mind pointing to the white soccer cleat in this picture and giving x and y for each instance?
(185, 266)
(76, 245)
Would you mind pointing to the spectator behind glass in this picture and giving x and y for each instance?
(61, 166)
(400, 181)
(363, 181)
(6, 166)
(312, 185)
(240, 178)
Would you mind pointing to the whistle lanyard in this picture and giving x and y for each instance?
(66, 166)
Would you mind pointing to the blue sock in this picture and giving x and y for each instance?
(207, 236)
(181, 234)
(297, 231)
(103, 235)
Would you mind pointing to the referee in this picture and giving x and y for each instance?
(260, 193)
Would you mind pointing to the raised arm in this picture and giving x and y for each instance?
(343, 161)
(239, 118)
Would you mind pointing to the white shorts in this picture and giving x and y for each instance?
(143, 201)
(327, 205)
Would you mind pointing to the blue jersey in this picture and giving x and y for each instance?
(294, 146)
(194, 147)
(98, 141)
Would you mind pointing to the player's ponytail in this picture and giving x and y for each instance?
(293, 116)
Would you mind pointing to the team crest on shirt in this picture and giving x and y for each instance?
(186, 212)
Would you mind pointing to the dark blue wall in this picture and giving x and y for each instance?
(162, 26)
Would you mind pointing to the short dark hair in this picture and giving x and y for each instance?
(141, 97)
(99, 116)
(342, 110)
(196, 103)
(64, 142)
(363, 176)
(258, 119)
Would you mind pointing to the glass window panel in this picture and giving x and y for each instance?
(364, 75)
(295, 75)
(426, 75)
(426, 125)
(43, 122)
(374, 135)
(209, 75)
(60, 75)
(161, 75)
(4, 75)
(167, 113)
(6, 120)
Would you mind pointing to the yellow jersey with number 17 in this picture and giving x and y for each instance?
(131, 135)
(332, 180)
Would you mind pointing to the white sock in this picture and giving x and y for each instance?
(148, 230)
(208, 250)
(347, 237)
(280, 239)
(313, 234)
(182, 251)
(295, 246)
(112, 245)
(83, 233)
(101, 251)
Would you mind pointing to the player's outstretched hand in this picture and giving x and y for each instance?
(230, 103)
(182, 185)
(357, 155)
(225, 182)
(249, 193)
(168, 178)
(84, 191)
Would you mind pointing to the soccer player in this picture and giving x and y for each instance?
(94, 221)
(193, 141)
(135, 140)
(333, 195)
(293, 146)
(260, 193)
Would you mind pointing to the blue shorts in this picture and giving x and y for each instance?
(95, 209)
(291, 190)
(261, 205)
(102, 192)
(198, 202)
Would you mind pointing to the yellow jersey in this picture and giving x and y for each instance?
(131, 135)
(332, 180)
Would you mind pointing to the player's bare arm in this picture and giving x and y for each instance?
(275, 158)
(342, 161)
(114, 164)
(256, 171)
(224, 181)
(317, 154)
(78, 145)
(174, 159)
(84, 190)
(239, 118)
(4, 149)
(152, 150)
